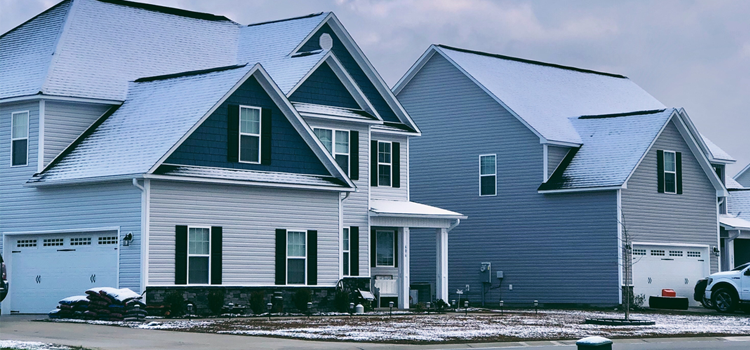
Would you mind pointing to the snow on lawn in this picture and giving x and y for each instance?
(514, 325)
(30, 345)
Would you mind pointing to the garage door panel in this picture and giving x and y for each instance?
(60, 266)
(657, 267)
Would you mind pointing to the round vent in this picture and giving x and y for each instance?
(326, 42)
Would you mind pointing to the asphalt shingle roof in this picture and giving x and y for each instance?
(248, 175)
(739, 203)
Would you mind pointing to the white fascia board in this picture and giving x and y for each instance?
(59, 98)
(413, 70)
(196, 179)
(699, 139)
(338, 118)
(542, 139)
(394, 132)
(585, 189)
(693, 144)
(84, 181)
(420, 216)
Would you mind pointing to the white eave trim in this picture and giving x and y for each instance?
(559, 143)
(246, 183)
(60, 98)
(394, 132)
(339, 118)
(586, 189)
(420, 216)
(84, 181)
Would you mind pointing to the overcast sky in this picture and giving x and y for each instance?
(691, 54)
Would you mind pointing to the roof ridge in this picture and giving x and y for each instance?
(540, 63)
(286, 19)
(33, 18)
(626, 114)
(169, 10)
(188, 73)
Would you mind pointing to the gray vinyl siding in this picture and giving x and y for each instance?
(387, 192)
(65, 209)
(545, 244)
(356, 206)
(249, 217)
(64, 122)
(688, 218)
(555, 155)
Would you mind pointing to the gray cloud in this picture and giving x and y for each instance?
(691, 54)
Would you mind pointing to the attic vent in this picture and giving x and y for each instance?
(325, 41)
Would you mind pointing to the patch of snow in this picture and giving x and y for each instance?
(30, 345)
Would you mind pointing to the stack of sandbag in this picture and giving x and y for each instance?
(110, 304)
(135, 310)
(71, 307)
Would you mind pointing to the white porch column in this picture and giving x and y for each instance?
(441, 284)
(403, 270)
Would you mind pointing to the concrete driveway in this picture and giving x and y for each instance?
(108, 337)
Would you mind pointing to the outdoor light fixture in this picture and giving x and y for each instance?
(269, 306)
(309, 309)
(466, 307)
(190, 309)
(501, 306)
(127, 239)
(390, 309)
(428, 305)
(716, 250)
(536, 306)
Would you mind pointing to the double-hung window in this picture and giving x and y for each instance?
(346, 251)
(19, 139)
(386, 248)
(199, 248)
(385, 162)
(296, 256)
(487, 175)
(249, 134)
(670, 172)
(337, 143)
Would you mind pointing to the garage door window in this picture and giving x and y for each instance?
(198, 255)
(694, 254)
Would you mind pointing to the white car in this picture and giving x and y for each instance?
(728, 289)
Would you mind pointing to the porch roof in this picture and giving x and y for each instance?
(733, 223)
(407, 209)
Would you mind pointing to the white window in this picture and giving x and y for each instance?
(386, 247)
(337, 143)
(19, 139)
(487, 175)
(249, 134)
(199, 248)
(346, 255)
(670, 172)
(296, 256)
(385, 162)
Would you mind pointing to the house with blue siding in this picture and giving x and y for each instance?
(165, 150)
(567, 175)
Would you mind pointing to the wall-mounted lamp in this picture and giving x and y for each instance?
(716, 250)
(127, 239)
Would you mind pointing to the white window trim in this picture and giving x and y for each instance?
(493, 174)
(390, 165)
(296, 258)
(334, 153)
(260, 131)
(28, 124)
(346, 249)
(199, 255)
(665, 171)
(395, 248)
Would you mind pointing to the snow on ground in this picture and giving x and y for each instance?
(513, 325)
(30, 345)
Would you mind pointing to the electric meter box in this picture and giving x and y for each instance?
(486, 272)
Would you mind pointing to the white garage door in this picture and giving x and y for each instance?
(47, 268)
(657, 267)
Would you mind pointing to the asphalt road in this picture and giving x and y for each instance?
(107, 337)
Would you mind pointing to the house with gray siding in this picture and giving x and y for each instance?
(567, 175)
(165, 150)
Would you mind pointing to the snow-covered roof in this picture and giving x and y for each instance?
(248, 176)
(613, 145)
(738, 204)
(410, 209)
(309, 109)
(733, 184)
(545, 96)
(731, 222)
(716, 151)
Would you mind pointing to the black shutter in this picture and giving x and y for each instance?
(280, 256)
(395, 248)
(312, 257)
(660, 170)
(233, 133)
(396, 161)
(354, 155)
(373, 250)
(678, 165)
(180, 254)
(265, 136)
(216, 238)
(374, 163)
(354, 251)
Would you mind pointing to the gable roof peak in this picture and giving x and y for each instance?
(169, 10)
(288, 19)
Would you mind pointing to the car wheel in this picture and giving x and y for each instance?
(707, 303)
(724, 300)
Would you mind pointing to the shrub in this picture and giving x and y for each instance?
(441, 305)
(638, 301)
(300, 299)
(175, 303)
(258, 302)
(341, 301)
(216, 301)
(419, 307)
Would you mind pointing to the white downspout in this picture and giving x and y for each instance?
(453, 225)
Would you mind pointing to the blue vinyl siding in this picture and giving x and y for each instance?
(323, 87)
(207, 146)
(545, 244)
(66, 208)
(351, 66)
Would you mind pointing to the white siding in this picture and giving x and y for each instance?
(64, 122)
(249, 217)
(390, 193)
